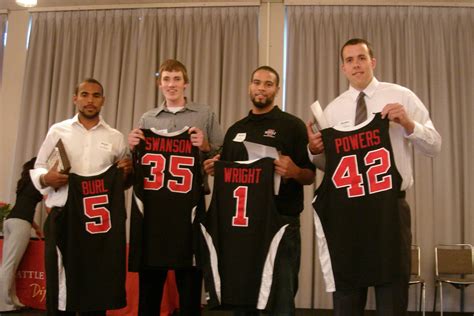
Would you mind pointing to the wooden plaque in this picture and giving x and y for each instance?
(59, 155)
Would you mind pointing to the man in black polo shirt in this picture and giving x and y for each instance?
(266, 124)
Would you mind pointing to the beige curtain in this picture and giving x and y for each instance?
(123, 49)
(3, 34)
(427, 49)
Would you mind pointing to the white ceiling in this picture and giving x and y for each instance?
(10, 4)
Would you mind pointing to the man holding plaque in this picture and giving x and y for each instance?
(87, 208)
(362, 217)
(166, 223)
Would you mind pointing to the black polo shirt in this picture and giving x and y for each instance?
(287, 134)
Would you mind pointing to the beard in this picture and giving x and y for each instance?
(89, 115)
(263, 104)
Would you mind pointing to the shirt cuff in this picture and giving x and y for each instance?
(310, 155)
(417, 132)
(35, 175)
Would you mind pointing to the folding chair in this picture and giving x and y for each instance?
(454, 264)
(415, 276)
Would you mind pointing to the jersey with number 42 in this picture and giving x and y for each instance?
(356, 208)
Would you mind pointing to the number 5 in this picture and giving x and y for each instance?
(93, 211)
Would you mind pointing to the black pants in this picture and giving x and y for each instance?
(188, 282)
(391, 298)
(285, 279)
(51, 262)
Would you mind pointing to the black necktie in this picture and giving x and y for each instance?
(361, 110)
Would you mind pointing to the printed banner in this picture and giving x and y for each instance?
(31, 284)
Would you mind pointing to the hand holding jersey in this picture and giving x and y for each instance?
(242, 216)
(396, 112)
(266, 125)
(361, 185)
(87, 209)
(167, 188)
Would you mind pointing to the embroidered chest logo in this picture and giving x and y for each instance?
(270, 133)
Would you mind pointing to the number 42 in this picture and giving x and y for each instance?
(347, 173)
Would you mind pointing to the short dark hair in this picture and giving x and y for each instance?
(89, 80)
(355, 41)
(173, 65)
(269, 69)
(25, 175)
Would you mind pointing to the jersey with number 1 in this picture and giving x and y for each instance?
(242, 232)
(167, 194)
(356, 208)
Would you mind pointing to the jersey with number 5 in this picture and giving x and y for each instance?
(167, 193)
(90, 241)
(356, 208)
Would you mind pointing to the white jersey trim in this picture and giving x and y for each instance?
(62, 287)
(214, 262)
(324, 255)
(267, 273)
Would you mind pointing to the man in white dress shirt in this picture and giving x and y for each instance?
(90, 143)
(410, 126)
(91, 146)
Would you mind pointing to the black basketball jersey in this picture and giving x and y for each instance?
(167, 193)
(242, 232)
(89, 235)
(356, 211)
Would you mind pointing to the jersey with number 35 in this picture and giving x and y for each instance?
(167, 193)
(356, 207)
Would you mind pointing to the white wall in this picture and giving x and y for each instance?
(10, 97)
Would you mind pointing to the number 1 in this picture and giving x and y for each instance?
(240, 218)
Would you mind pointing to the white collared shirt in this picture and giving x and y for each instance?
(89, 151)
(425, 138)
